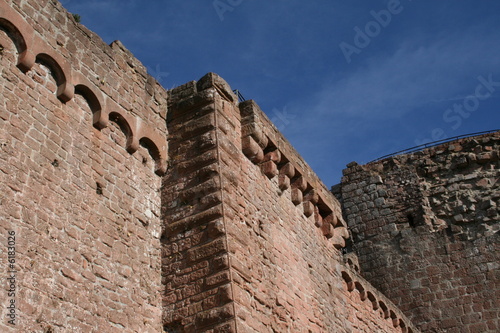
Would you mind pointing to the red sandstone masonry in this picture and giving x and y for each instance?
(277, 268)
(250, 237)
(288, 272)
(93, 85)
(263, 144)
(198, 295)
(78, 156)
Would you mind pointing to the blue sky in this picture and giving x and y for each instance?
(343, 80)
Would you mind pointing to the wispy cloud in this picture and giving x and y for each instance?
(413, 76)
(373, 109)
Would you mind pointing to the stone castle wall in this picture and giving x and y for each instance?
(425, 228)
(252, 238)
(137, 209)
(117, 232)
(82, 133)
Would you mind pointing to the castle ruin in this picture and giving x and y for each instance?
(126, 207)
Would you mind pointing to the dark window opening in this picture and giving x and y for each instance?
(411, 220)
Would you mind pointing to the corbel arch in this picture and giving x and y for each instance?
(128, 128)
(154, 151)
(348, 280)
(14, 34)
(62, 74)
(21, 33)
(95, 102)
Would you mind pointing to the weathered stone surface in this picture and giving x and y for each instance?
(81, 137)
(276, 251)
(427, 238)
(239, 234)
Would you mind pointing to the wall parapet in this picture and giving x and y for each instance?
(265, 146)
(71, 79)
(427, 176)
(382, 304)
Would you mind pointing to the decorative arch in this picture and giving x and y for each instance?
(157, 146)
(395, 320)
(32, 48)
(95, 103)
(361, 289)
(64, 91)
(402, 324)
(372, 299)
(14, 34)
(21, 33)
(154, 151)
(384, 308)
(126, 127)
(348, 280)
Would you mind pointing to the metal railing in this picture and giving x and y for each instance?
(240, 96)
(431, 144)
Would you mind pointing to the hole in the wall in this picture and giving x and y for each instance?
(55, 163)
(98, 188)
(144, 223)
(270, 147)
(296, 177)
(411, 220)
(324, 210)
(173, 328)
(283, 162)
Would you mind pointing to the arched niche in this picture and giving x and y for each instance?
(14, 34)
(90, 96)
(124, 126)
(154, 152)
(63, 92)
